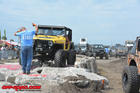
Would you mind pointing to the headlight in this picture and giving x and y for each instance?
(50, 43)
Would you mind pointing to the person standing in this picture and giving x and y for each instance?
(26, 51)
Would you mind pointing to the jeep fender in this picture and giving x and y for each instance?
(134, 63)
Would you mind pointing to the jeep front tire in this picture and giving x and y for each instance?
(60, 58)
(130, 79)
(101, 56)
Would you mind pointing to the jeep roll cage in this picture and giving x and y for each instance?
(69, 34)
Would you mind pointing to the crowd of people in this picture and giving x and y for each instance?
(9, 52)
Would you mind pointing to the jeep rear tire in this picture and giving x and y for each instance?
(71, 57)
(101, 56)
(130, 79)
(60, 58)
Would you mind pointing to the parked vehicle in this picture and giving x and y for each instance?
(131, 72)
(83, 48)
(121, 51)
(97, 50)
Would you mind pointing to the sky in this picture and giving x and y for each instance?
(100, 21)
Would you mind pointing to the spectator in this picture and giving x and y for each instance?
(26, 52)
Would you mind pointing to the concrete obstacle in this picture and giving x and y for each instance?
(82, 78)
(2, 77)
(89, 63)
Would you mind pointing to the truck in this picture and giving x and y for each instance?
(97, 50)
(83, 46)
(121, 51)
(129, 44)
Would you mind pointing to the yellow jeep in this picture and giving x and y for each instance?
(54, 43)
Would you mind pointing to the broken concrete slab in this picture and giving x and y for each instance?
(80, 83)
(62, 80)
(88, 63)
(11, 79)
(11, 66)
(8, 72)
(32, 79)
(2, 77)
(38, 70)
(91, 65)
(58, 75)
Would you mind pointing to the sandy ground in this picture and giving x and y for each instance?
(113, 71)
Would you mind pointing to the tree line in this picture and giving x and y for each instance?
(4, 36)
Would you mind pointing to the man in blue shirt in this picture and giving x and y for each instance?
(26, 52)
(107, 50)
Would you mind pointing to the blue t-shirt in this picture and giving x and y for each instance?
(26, 37)
(106, 50)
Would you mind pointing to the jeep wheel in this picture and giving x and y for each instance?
(130, 79)
(71, 57)
(101, 57)
(60, 58)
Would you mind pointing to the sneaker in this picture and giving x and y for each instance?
(28, 73)
(24, 72)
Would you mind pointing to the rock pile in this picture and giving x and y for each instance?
(82, 78)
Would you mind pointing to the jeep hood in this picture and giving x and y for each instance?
(55, 39)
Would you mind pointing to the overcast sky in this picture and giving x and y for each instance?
(101, 21)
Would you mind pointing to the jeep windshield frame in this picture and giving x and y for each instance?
(62, 28)
(51, 32)
(51, 27)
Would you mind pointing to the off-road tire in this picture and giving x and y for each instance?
(130, 79)
(71, 57)
(60, 58)
(101, 56)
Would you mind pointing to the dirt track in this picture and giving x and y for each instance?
(112, 70)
